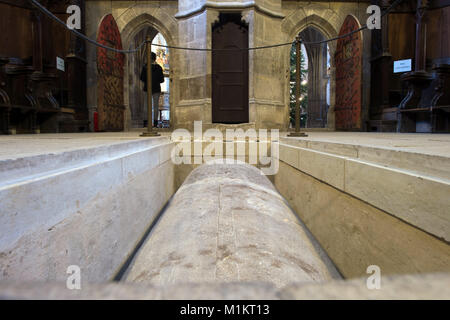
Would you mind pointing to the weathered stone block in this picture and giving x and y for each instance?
(323, 166)
(234, 227)
(289, 154)
(54, 221)
(355, 234)
(424, 202)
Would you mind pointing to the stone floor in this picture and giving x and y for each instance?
(432, 144)
(18, 146)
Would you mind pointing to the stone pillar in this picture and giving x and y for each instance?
(227, 223)
(194, 100)
(267, 105)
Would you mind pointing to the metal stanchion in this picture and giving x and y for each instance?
(150, 132)
(298, 51)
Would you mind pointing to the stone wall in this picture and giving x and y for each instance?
(194, 94)
(365, 213)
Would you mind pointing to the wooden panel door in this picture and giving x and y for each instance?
(348, 61)
(111, 108)
(230, 73)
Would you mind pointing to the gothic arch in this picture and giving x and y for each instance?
(129, 30)
(299, 21)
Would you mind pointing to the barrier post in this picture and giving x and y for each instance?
(298, 51)
(150, 132)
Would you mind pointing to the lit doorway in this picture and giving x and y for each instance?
(315, 80)
(137, 96)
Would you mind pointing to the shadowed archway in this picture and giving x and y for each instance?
(133, 33)
(294, 26)
(318, 66)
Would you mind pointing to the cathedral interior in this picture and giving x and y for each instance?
(350, 98)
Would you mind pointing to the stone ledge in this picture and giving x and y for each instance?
(356, 234)
(17, 169)
(405, 287)
(54, 220)
(420, 200)
(424, 163)
(52, 195)
(427, 286)
(326, 167)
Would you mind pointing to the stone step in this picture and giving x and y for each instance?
(368, 174)
(429, 156)
(86, 200)
(30, 157)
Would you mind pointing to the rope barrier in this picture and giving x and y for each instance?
(79, 34)
(137, 49)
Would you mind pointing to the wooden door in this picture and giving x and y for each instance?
(348, 77)
(111, 109)
(230, 72)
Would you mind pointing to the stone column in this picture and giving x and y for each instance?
(227, 223)
(267, 105)
(194, 101)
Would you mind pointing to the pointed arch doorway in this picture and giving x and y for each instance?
(316, 78)
(137, 97)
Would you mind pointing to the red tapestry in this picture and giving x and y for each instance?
(110, 71)
(348, 61)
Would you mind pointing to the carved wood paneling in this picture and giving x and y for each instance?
(110, 77)
(348, 77)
